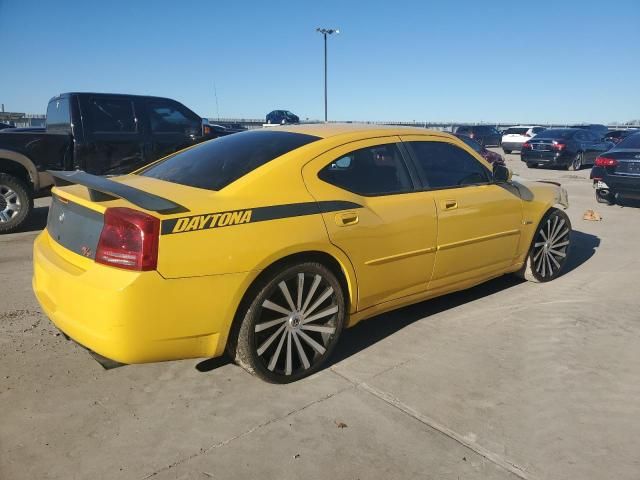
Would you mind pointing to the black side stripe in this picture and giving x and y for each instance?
(251, 215)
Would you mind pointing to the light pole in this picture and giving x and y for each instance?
(325, 32)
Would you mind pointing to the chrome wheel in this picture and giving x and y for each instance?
(296, 324)
(577, 162)
(10, 204)
(550, 247)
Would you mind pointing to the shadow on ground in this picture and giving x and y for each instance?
(377, 328)
(36, 221)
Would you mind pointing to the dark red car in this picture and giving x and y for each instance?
(488, 155)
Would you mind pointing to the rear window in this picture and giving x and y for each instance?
(556, 133)
(632, 141)
(516, 131)
(58, 117)
(215, 164)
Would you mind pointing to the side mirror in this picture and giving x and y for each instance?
(501, 174)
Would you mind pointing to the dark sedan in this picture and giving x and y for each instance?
(488, 155)
(282, 117)
(571, 148)
(485, 135)
(616, 173)
(616, 136)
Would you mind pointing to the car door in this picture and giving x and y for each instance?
(171, 127)
(114, 141)
(389, 230)
(479, 222)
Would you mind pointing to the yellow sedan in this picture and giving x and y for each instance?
(266, 244)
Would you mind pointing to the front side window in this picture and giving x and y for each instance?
(166, 117)
(370, 171)
(110, 115)
(444, 165)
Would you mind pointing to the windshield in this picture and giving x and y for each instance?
(473, 144)
(215, 164)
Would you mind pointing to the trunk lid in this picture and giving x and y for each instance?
(628, 162)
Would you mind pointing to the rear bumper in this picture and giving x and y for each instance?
(547, 158)
(622, 184)
(134, 317)
(512, 145)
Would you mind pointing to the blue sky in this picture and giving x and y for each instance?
(495, 61)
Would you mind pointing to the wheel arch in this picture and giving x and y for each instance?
(21, 166)
(335, 260)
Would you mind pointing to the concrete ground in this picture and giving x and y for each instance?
(509, 380)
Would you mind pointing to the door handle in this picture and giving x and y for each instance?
(449, 204)
(346, 219)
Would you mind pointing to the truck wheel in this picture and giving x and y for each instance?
(16, 203)
(292, 323)
(549, 249)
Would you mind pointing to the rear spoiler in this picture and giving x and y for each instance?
(102, 189)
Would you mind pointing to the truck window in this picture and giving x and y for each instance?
(58, 118)
(110, 115)
(167, 117)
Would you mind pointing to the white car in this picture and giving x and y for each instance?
(514, 137)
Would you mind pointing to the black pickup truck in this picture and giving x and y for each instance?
(102, 134)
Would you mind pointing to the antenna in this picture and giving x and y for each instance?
(215, 94)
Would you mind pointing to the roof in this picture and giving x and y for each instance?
(326, 130)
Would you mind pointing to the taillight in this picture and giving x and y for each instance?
(526, 146)
(129, 240)
(206, 130)
(558, 146)
(606, 162)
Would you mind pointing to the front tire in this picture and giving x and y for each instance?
(292, 324)
(549, 249)
(16, 203)
(506, 151)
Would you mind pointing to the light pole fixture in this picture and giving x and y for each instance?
(325, 32)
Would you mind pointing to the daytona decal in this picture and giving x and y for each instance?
(251, 215)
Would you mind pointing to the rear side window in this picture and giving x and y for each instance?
(537, 130)
(444, 165)
(632, 141)
(370, 171)
(58, 117)
(215, 164)
(110, 115)
(168, 117)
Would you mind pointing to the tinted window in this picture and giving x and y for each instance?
(537, 130)
(215, 164)
(110, 115)
(632, 141)
(472, 143)
(556, 133)
(444, 165)
(169, 117)
(58, 117)
(516, 131)
(464, 130)
(371, 171)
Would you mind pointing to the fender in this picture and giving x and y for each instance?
(38, 179)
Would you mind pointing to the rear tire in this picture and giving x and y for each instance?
(506, 151)
(16, 203)
(532, 165)
(576, 163)
(292, 324)
(549, 250)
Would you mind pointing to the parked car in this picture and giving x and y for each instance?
(571, 148)
(5, 125)
(616, 136)
(215, 130)
(596, 128)
(282, 117)
(617, 172)
(369, 221)
(514, 137)
(95, 132)
(488, 155)
(485, 135)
